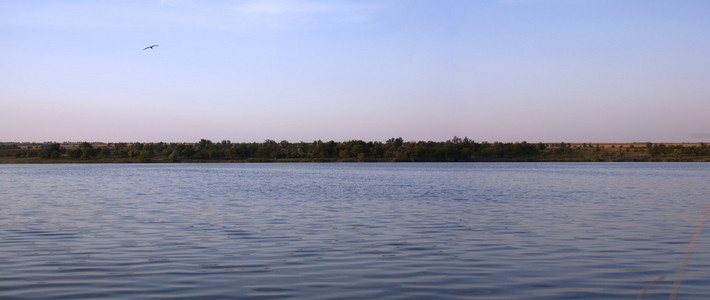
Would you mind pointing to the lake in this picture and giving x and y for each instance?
(355, 231)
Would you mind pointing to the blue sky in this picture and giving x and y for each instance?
(304, 70)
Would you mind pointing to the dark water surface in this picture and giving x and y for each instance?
(368, 231)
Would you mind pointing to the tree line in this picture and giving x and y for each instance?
(393, 150)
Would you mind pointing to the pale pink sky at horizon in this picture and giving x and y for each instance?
(305, 70)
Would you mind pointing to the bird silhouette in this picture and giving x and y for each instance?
(150, 47)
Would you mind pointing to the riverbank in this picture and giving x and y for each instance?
(393, 150)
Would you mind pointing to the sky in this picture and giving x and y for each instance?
(306, 70)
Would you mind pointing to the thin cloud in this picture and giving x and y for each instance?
(274, 14)
(543, 1)
(308, 12)
(175, 2)
(280, 7)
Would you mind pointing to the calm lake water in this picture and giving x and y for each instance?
(354, 231)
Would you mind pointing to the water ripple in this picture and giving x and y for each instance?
(355, 231)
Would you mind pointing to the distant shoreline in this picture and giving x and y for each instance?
(393, 150)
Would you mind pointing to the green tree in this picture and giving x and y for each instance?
(145, 155)
(52, 150)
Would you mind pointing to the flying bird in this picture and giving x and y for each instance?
(150, 47)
